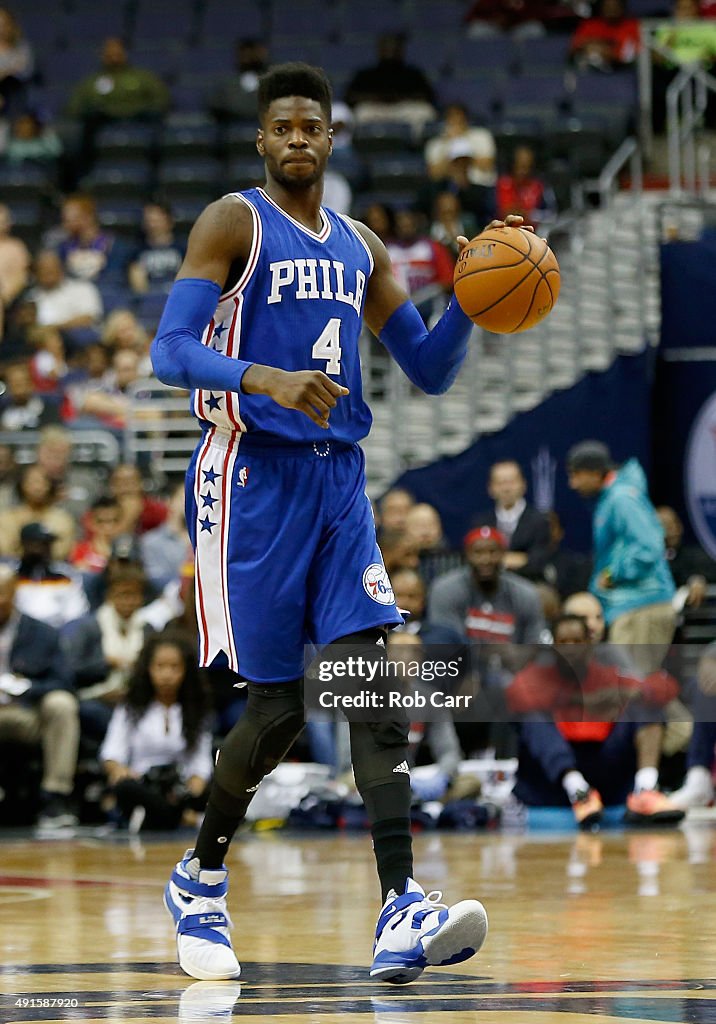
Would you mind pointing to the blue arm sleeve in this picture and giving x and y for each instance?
(178, 356)
(431, 359)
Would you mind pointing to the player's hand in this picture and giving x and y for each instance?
(512, 220)
(311, 392)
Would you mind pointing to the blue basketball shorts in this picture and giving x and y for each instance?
(285, 551)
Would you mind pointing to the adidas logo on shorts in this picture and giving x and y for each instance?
(402, 767)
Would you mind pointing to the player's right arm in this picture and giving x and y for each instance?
(220, 239)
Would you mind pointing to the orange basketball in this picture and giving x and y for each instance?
(507, 280)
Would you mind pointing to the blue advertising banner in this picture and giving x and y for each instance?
(684, 423)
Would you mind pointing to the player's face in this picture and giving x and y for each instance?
(295, 141)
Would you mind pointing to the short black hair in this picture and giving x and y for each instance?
(294, 79)
(569, 619)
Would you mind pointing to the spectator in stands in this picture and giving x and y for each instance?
(698, 787)
(337, 193)
(521, 191)
(139, 512)
(422, 266)
(479, 143)
(523, 20)
(344, 157)
(103, 648)
(118, 90)
(31, 139)
(393, 509)
(398, 551)
(43, 589)
(525, 528)
(585, 732)
(440, 735)
(38, 503)
(77, 483)
(391, 90)
(14, 262)
(568, 571)
(607, 41)
(107, 405)
(125, 552)
(410, 596)
(481, 601)
(123, 332)
(424, 529)
(102, 526)
(72, 307)
(155, 264)
(380, 219)
(48, 365)
(87, 251)
(8, 477)
(16, 62)
(17, 330)
(449, 221)
(690, 566)
(233, 98)
(20, 407)
(36, 702)
(586, 606)
(163, 725)
(688, 39)
(631, 574)
(475, 197)
(165, 549)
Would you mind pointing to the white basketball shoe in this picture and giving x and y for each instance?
(416, 931)
(196, 899)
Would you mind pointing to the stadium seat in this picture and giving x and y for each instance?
(184, 175)
(243, 172)
(544, 55)
(582, 144)
(217, 21)
(149, 308)
(130, 179)
(90, 25)
(542, 96)
(123, 215)
(497, 53)
(383, 136)
(166, 59)
(510, 133)
(126, 140)
(239, 140)
(164, 19)
(187, 140)
(27, 182)
(397, 173)
(366, 21)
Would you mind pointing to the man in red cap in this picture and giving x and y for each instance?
(484, 602)
(500, 615)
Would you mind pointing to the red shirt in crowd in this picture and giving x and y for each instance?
(526, 197)
(622, 37)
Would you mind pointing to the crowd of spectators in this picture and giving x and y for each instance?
(567, 669)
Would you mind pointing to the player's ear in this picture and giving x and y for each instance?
(260, 142)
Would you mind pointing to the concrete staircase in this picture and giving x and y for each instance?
(609, 304)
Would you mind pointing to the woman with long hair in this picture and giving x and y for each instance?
(157, 753)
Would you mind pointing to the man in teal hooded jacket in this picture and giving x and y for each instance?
(631, 575)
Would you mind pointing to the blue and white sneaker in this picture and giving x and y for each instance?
(416, 931)
(196, 899)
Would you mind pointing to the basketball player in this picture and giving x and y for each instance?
(263, 325)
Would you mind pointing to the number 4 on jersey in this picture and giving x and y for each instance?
(328, 346)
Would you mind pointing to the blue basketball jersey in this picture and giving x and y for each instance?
(298, 306)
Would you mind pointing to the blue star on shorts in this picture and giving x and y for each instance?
(209, 501)
(206, 524)
(213, 402)
(210, 476)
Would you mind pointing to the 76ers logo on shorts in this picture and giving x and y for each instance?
(377, 585)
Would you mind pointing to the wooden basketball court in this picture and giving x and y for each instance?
(585, 929)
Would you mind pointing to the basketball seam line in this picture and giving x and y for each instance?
(533, 266)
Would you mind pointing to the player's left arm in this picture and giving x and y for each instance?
(432, 358)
